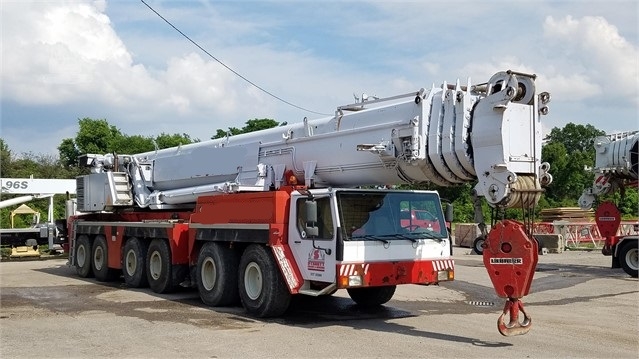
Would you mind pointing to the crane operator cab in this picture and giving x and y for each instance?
(336, 227)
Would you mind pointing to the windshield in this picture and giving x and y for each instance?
(390, 215)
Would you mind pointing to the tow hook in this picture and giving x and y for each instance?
(510, 257)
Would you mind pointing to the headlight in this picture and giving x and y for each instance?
(443, 275)
(351, 281)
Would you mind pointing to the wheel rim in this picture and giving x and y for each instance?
(253, 280)
(478, 246)
(155, 265)
(632, 258)
(81, 255)
(208, 274)
(131, 262)
(98, 257)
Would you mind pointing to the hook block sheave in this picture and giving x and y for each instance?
(510, 257)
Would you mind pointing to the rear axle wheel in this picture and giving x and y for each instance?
(629, 258)
(100, 260)
(217, 277)
(134, 268)
(159, 268)
(83, 264)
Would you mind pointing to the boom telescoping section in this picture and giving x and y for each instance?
(488, 132)
(616, 165)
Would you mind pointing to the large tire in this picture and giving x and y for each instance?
(371, 296)
(134, 263)
(478, 245)
(83, 252)
(262, 288)
(100, 260)
(158, 267)
(217, 278)
(629, 258)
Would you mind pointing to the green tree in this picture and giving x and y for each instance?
(165, 140)
(125, 144)
(96, 136)
(251, 126)
(68, 153)
(5, 158)
(569, 150)
(575, 138)
(100, 137)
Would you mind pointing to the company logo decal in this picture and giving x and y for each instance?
(506, 261)
(316, 260)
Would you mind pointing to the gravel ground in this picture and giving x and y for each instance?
(580, 308)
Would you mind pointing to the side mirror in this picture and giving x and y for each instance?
(311, 210)
(448, 215)
(311, 228)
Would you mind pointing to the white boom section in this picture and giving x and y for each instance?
(22, 199)
(489, 132)
(37, 186)
(616, 161)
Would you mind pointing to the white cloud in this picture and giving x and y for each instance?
(595, 58)
(197, 84)
(144, 78)
(56, 51)
(574, 87)
(69, 53)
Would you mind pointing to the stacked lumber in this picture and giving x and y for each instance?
(571, 214)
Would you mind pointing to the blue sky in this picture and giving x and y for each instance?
(65, 60)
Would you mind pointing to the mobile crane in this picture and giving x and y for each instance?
(258, 217)
(616, 168)
(53, 231)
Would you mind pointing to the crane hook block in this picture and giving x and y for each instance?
(510, 257)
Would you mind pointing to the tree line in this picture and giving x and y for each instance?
(569, 150)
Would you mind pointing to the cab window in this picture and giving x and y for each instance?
(324, 217)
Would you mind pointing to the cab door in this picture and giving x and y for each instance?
(315, 255)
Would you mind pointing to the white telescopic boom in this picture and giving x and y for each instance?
(488, 132)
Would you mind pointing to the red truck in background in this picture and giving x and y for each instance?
(420, 218)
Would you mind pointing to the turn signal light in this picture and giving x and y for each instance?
(443, 275)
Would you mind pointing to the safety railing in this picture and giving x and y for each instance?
(582, 234)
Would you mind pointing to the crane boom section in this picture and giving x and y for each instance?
(448, 135)
(616, 165)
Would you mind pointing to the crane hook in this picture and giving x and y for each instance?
(512, 308)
